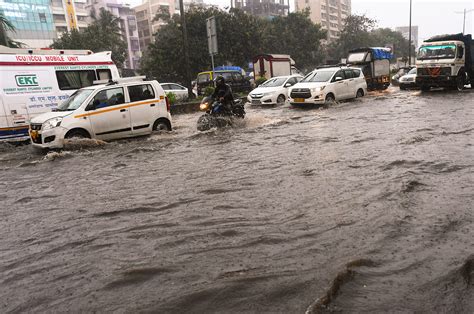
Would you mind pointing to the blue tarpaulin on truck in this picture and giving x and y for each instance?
(381, 53)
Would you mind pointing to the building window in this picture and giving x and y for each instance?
(42, 17)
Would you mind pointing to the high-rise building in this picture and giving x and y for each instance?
(128, 26)
(38, 22)
(146, 12)
(263, 8)
(329, 13)
(414, 33)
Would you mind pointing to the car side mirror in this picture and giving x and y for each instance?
(460, 52)
(337, 79)
(288, 84)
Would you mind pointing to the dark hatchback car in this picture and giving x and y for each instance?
(235, 79)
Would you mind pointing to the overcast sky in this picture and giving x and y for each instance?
(432, 16)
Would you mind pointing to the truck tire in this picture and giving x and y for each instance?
(460, 81)
(425, 88)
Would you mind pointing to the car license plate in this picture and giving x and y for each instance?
(299, 99)
(255, 102)
(34, 134)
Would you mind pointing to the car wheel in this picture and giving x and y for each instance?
(161, 125)
(402, 87)
(281, 100)
(330, 99)
(77, 134)
(360, 93)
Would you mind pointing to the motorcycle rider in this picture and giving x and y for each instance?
(223, 93)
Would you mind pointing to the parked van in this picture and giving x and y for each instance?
(235, 79)
(34, 81)
(123, 108)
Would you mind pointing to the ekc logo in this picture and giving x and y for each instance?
(26, 80)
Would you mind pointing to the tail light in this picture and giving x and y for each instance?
(168, 106)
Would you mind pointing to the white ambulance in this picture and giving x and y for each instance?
(34, 81)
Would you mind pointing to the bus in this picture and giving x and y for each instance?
(34, 81)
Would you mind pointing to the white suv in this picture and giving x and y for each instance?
(123, 108)
(325, 85)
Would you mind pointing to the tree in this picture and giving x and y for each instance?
(354, 34)
(383, 36)
(359, 31)
(240, 36)
(5, 26)
(103, 34)
(297, 36)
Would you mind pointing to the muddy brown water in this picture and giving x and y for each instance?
(364, 206)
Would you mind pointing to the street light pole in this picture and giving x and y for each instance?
(464, 19)
(409, 39)
(185, 50)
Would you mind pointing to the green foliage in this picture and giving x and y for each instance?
(359, 31)
(240, 37)
(103, 34)
(260, 81)
(208, 91)
(7, 26)
(171, 98)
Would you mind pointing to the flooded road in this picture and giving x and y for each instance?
(364, 206)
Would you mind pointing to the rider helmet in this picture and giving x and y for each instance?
(220, 81)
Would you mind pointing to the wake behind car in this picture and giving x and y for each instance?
(122, 108)
(325, 85)
(273, 91)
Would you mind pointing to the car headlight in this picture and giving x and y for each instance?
(52, 123)
(317, 89)
(267, 94)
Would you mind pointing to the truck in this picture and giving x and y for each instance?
(34, 81)
(271, 65)
(445, 61)
(374, 63)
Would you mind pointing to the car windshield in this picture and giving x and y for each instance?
(318, 76)
(412, 71)
(437, 52)
(75, 101)
(274, 82)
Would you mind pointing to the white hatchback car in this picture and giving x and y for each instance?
(123, 108)
(325, 85)
(273, 91)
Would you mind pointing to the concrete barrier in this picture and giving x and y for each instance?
(191, 106)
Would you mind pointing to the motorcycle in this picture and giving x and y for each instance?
(218, 115)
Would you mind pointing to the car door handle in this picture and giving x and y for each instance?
(152, 105)
(123, 110)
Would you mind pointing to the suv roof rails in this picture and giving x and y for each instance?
(122, 80)
(340, 65)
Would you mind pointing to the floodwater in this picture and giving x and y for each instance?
(366, 206)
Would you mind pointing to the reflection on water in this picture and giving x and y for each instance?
(363, 206)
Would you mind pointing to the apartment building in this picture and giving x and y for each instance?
(329, 13)
(405, 30)
(145, 14)
(128, 25)
(262, 8)
(39, 22)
